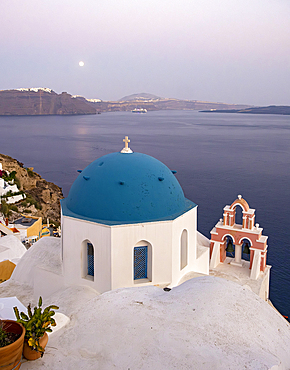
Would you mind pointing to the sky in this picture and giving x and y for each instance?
(230, 51)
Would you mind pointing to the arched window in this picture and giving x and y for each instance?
(239, 215)
(91, 259)
(183, 249)
(142, 261)
(88, 260)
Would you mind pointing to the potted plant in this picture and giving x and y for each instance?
(37, 324)
(11, 344)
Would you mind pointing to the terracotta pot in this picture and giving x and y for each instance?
(31, 354)
(10, 356)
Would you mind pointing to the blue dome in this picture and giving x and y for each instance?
(122, 188)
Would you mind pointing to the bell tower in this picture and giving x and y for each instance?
(229, 239)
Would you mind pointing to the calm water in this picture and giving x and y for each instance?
(217, 157)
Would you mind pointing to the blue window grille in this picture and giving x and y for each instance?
(140, 262)
(90, 254)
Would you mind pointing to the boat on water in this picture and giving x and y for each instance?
(139, 110)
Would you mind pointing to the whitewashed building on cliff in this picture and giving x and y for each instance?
(11, 188)
(127, 223)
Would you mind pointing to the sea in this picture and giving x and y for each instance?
(217, 156)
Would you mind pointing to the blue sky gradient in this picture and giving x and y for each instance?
(231, 51)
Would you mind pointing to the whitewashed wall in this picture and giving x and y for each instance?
(126, 237)
(74, 233)
(185, 222)
(114, 252)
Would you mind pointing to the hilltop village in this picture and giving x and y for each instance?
(29, 204)
(138, 287)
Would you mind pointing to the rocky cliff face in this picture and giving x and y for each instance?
(43, 197)
(41, 101)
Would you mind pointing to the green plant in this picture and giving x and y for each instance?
(30, 199)
(4, 208)
(6, 337)
(38, 206)
(36, 323)
(4, 341)
(30, 172)
(27, 211)
(17, 182)
(13, 207)
(12, 175)
(9, 177)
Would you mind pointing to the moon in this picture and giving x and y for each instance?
(81, 63)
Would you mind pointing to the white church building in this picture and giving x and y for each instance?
(126, 222)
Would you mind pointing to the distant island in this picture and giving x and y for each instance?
(271, 109)
(152, 103)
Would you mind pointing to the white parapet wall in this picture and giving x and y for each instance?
(215, 257)
(255, 271)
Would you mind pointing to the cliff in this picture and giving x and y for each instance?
(42, 197)
(41, 101)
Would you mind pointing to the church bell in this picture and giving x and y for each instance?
(246, 249)
(230, 248)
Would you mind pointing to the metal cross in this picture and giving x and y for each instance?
(126, 141)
